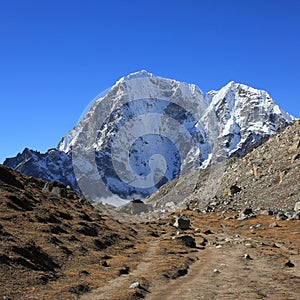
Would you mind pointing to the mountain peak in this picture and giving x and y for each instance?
(138, 74)
(230, 83)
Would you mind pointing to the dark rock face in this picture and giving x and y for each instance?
(54, 165)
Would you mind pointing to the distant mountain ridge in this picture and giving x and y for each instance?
(176, 122)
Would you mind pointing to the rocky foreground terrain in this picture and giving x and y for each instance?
(242, 243)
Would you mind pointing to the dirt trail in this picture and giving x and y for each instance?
(233, 262)
(224, 273)
(219, 273)
(112, 290)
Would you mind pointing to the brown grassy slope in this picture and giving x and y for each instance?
(50, 242)
(54, 247)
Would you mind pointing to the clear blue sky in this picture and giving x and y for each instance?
(56, 56)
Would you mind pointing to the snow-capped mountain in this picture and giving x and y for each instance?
(244, 115)
(146, 130)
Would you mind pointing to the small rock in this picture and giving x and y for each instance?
(289, 264)
(104, 264)
(296, 216)
(247, 256)
(297, 206)
(246, 213)
(254, 227)
(135, 285)
(83, 200)
(274, 224)
(295, 157)
(216, 271)
(267, 212)
(281, 216)
(294, 147)
(209, 209)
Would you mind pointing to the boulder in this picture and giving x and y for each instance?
(246, 213)
(187, 240)
(182, 223)
(55, 188)
(234, 189)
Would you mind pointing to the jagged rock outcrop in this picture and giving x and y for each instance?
(54, 165)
